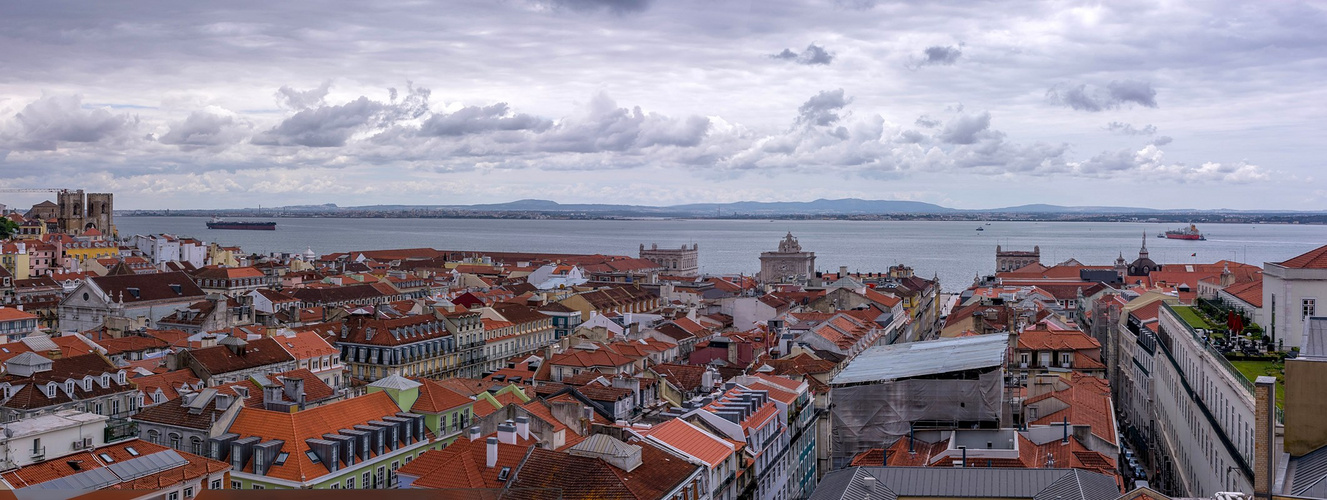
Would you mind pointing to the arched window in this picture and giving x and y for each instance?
(174, 440)
(195, 445)
(154, 437)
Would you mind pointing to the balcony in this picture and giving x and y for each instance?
(37, 453)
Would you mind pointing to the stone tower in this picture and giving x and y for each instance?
(100, 213)
(789, 263)
(76, 212)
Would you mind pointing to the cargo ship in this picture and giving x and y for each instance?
(217, 223)
(1187, 233)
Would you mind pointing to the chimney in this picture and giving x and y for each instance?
(523, 427)
(843, 271)
(492, 445)
(223, 401)
(507, 432)
(272, 397)
(1264, 438)
(294, 389)
(868, 484)
(473, 433)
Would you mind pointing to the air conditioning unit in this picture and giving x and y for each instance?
(85, 444)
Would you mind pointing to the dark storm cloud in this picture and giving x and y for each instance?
(822, 109)
(1128, 129)
(1116, 94)
(479, 119)
(814, 55)
(614, 6)
(941, 55)
(54, 119)
(202, 128)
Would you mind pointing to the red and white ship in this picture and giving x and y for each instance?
(1187, 233)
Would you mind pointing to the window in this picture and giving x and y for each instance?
(281, 459)
(133, 451)
(189, 492)
(1065, 358)
(106, 458)
(336, 486)
(235, 485)
(1024, 358)
(257, 486)
(1309, 307)
(174, 495)
(350, 483)
(216, 484)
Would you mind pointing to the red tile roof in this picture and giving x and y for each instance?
(1056, 340)
(434, 397)
(260, 352)
(307, 344)
(295, 428)
(195, 467)
(464, 464)
(691, 440)
(1313, 259)
(1250, 292)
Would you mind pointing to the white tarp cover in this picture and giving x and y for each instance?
(877, 415)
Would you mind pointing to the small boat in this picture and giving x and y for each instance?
(981, 229)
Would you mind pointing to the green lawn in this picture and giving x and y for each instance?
(1195, 320)
(1254, 369)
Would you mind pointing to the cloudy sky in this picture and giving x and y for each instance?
(971, 105)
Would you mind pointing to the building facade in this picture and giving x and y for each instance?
(681, 261)
(788, 263)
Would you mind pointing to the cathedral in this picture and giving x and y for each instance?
(788, 264)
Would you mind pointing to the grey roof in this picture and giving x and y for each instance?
(972, 482)
(115, 473)
(28, 359)
(1307, 474)
(395, 381)
(915, 359)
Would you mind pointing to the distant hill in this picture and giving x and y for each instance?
(839, 207)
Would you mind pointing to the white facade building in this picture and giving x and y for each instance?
(1204, 413)
(1292, 291)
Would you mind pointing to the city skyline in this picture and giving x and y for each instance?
(1191, 105)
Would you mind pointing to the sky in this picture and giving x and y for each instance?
(1158, 104)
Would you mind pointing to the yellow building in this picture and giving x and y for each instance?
(14, 258)
(83, 251)
(218, 255)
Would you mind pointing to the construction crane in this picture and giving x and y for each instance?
(33, 190)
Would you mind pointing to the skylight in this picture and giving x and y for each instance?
(131, 450)
(281, 459)
(504, 473)
(312, 456)
(106, 458)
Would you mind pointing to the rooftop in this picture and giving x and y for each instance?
(915, 359)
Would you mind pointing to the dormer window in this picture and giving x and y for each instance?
(105, 380)
(87, 382)
(119, 378)
(50, 389)
(69, 387)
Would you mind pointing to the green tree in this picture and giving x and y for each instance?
(7, 228)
